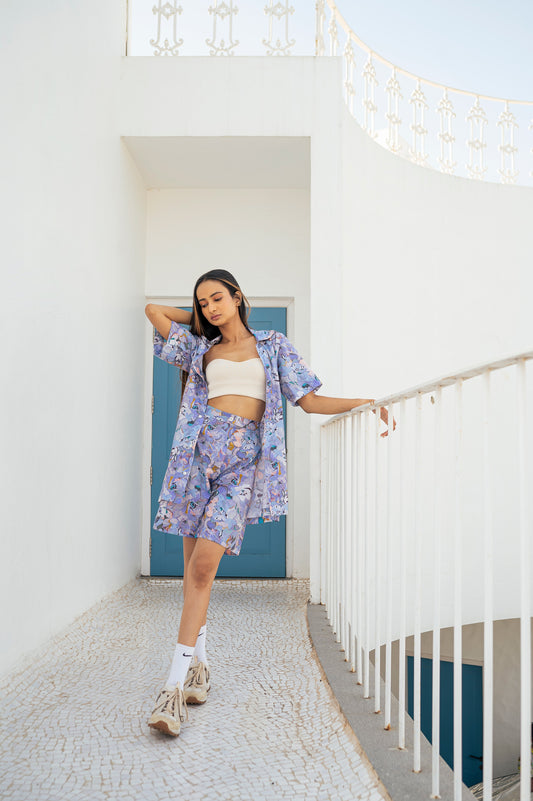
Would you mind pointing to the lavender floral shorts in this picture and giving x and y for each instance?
(219, 487)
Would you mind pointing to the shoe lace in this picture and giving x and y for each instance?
(175, 702)
(196, 674)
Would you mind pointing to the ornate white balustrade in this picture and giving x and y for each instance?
(433, 125)
(245, 28)
(433, 118)
(431, 527)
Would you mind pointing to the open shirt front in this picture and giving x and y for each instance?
(286, 373)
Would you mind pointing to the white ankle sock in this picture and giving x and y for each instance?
(180, 665)
(199, 648)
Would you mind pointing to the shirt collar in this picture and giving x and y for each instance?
(260, 334)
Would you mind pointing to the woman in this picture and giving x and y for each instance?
(227, 464)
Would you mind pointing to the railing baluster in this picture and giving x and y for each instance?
(347, 434)
(324, 489)
(525, 587)
(437, 526)
(345, 577)
(360, 535)
(366, 560)
(388, 647)
(331, 541)
(337, 531)
(340, 445)
(377, 570)
(488, 625)
(323, 514)
(418, 586)
(319, 33)
(353, 538)
(403, 573)
(457, 593)
(331, 554)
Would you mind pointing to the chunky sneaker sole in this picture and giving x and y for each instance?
(197, 684)
(164, 724)
(169, 712)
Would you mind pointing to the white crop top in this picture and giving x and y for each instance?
(226, 377)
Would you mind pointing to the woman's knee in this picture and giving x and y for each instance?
(203, 567)
(201, 573)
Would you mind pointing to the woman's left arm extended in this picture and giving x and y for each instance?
(319, 404)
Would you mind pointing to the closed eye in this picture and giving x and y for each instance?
(217, 300)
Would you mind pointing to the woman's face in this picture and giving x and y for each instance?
(216, 303)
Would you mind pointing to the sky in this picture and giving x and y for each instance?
(481, 46)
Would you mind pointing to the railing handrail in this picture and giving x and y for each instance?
(350, 32)
(432, 385)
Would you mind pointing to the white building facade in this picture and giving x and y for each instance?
(128, 177)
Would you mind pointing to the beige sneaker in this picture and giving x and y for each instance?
(170, 711)
(197, 683)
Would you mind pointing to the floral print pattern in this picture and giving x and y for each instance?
(286, 374)
(220, 483)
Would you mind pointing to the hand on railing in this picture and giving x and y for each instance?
(384, 414)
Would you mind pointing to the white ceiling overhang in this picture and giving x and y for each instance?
(221, 161)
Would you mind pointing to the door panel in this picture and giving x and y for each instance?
(263, 549)
(472, 717)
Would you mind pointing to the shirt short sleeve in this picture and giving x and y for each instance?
(295, 377)
(178, 348)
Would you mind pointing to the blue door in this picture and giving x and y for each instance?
(472, 693)
(263, 549)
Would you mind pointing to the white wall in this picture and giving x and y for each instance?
(73, 228)
(436, 268)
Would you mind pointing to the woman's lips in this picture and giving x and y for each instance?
(215, 317)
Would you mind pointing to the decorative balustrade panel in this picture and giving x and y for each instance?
(221, 28)
(431, 527)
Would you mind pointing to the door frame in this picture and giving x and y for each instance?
(287, 303)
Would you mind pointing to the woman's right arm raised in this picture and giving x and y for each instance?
(161, 317)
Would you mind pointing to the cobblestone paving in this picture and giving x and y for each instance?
(74, 715)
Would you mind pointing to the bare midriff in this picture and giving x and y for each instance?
(242, 405)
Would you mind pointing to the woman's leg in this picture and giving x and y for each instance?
(202, 565)
(188, 550)
(201, 560)
(201, 570)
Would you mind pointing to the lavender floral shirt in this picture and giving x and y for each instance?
(286, 372)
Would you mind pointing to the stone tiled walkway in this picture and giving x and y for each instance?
(74, 717)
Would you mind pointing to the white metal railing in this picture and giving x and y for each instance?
(437, 117)
(409, 520)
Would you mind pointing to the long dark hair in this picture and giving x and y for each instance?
(200, 325)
